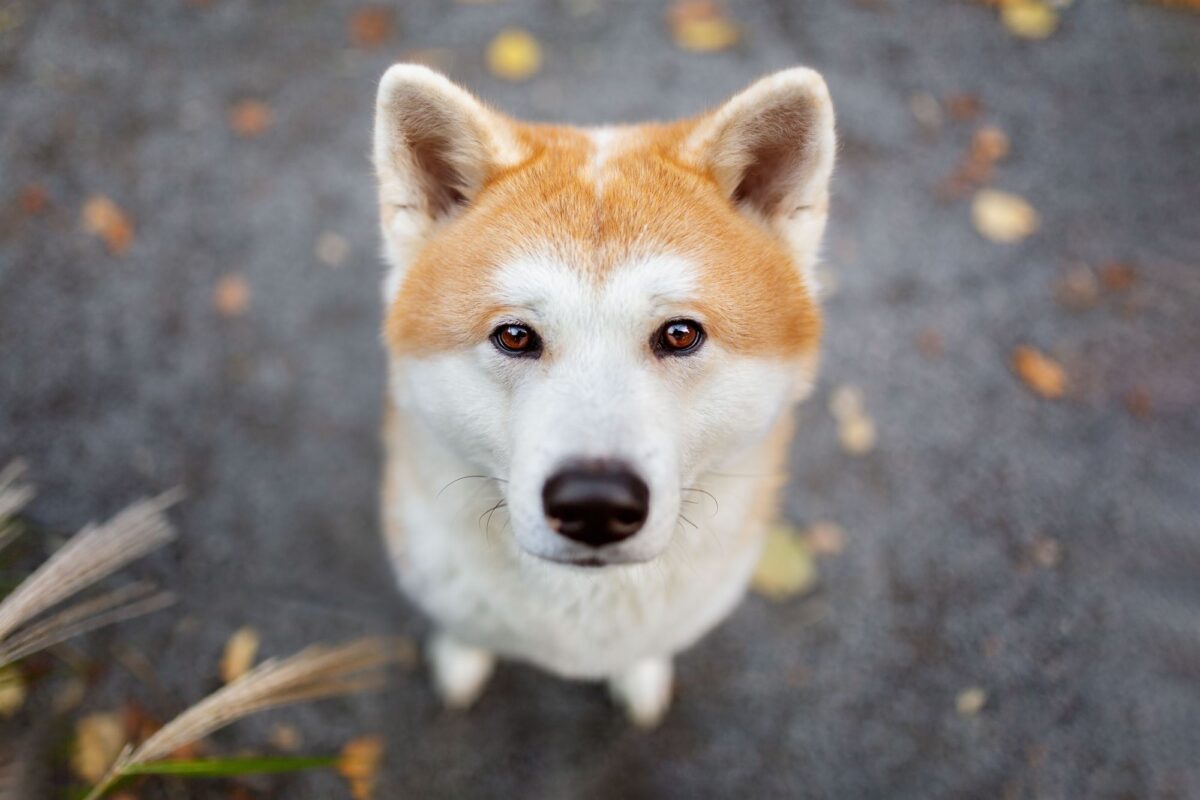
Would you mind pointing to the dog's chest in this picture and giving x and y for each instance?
(576, 622)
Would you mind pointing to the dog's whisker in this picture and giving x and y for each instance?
(469, 477)
(710, 495)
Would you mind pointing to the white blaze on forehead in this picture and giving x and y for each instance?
(604, 144)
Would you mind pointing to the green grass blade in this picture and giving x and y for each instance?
(227, 767)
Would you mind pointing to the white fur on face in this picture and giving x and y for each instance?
(597, 392)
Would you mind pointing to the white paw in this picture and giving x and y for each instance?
(460, 671)
(644, 690)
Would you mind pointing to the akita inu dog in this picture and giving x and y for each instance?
(595, 339)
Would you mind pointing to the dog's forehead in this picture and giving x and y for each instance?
(610, 213)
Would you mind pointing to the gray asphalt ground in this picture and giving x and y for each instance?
(118, 379)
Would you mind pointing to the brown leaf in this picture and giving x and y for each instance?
(514, 54)
(250, 118)
(1138, 403)
(826, 538)
(371, 26)
(105, 219)
(964, 107)
(701, 26)
(930, 343)
(1042, 374)
(1046, 552)
(240, 652)
(1117, 277)
(286, 737)
(1003, 217)
(98, 741)
(359, 765)
(231, 296)
(34, 199)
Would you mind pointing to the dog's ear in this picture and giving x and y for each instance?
(771, 151)
(435, 147)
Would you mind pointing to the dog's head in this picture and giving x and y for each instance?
(599, 316)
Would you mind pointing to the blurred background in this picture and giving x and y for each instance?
(994, 493)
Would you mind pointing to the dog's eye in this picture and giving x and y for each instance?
(679, 337)
(517, 340)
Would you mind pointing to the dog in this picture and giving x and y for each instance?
(595, 339)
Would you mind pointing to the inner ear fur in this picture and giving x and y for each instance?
(435, 144)
(771, 147)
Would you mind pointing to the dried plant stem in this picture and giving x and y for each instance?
(90, 556)
(314, 673)
(15, 494)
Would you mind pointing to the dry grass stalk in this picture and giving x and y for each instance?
(90, 556)
(15, 494)
(314, 673)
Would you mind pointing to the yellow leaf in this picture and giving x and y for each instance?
(105, 219)
(1029, 19)
(12, 691)
(786, 567)
(1042, 374)
(98, 741)
(359, 765)
(514, 55)
(970, 701)
(1003, 217)
(239, 655)
(701, 26)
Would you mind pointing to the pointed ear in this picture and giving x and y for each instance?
(435, 147)
(771, 148)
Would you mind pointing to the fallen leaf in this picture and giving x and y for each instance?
(1042, 374)
(514, 54)
(332, 249)
(930, 343)
(371, 26)
(240, 652)
(1046, 552)
(286, 737)
(1138, 403)
(964, 107)
(989, 144)
(98, 741)
(231, 296)
(1117, 277)
(826, 538)
(12, 691)
(1077, 288)
(250, 118)
(105, 219)
(359, 765)
(856, 429)
(1029, 19)
(1003, 217)
(34, 199)
(701, 26)
(970, 701)
(926, 110)
(786, 567)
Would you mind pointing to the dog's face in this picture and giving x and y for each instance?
(597, 317)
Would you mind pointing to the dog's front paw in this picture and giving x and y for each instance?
(644, 690)
(459, 670)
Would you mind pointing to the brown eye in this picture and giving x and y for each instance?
(517, 340)
(679, 337)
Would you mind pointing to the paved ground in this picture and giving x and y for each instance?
(118, 378)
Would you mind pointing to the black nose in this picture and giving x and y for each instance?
(596, 502)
